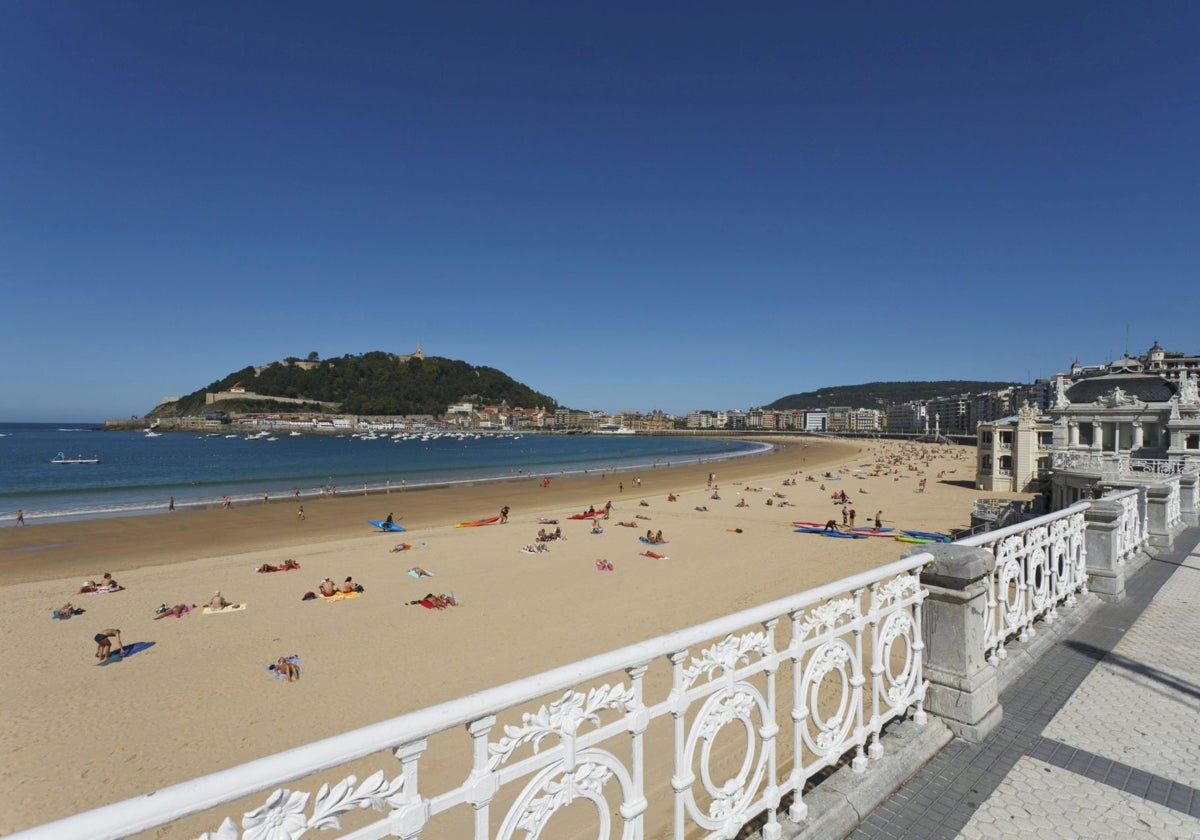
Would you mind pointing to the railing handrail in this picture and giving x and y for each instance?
(150, 810)
(1001, 533)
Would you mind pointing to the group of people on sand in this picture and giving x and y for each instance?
(652, 537)
(546, 536)
(328, 588)
(106, 584)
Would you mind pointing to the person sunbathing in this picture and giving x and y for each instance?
(420, 572)
(177, 611)
(218, 602)
(658, 538)
(670, 497)
(290, 564)
(286, 666)
(65, 611)
(327, 587)
(266, 567)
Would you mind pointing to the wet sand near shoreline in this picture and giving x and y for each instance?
(199, 699)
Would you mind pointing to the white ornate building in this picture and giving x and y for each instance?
(1121, 426)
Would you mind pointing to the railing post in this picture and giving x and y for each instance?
(963, 687)
(1102, 539)
(1189, 492)
(1158, 499)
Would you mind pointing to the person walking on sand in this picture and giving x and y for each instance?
(300, 513)
(878, 519)
(504, 515)
(103, 641)
(171, 505)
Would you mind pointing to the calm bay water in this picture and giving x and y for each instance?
(139, 474)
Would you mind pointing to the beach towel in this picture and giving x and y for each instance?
(279, 568)
(102, 591)
(232, 608)
(120, 654)
(279, 675)
(414, 573)
(55, 615)
(341, 596)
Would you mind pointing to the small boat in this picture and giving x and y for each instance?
(60, 458)
(476, 523)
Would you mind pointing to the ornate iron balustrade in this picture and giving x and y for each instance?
(1119, 463)
(1039, 564)
(1133, 532)
(707, 735)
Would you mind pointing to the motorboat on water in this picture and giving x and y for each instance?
(60, 458)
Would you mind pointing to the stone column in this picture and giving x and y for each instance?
(1157, 496)
(1106, 573)
(1072, 434)
(1189, 485)
(963, 688)
(1097, 436)
(1139, 435)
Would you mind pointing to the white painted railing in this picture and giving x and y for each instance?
(1039, 564)
(1174, 505)
(1133, 533)
(675, 736)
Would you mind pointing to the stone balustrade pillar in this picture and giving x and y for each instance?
(1157, 498)
(963, 687)
(1189, 492)
(1106, 572)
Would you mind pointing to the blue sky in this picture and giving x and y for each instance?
(627, 206)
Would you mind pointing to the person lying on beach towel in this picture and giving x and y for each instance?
(64, 612)
(628, 524)
(178, 611)
(285, 566)
(418, 572)
(643, 503)
(436, 602)
(604, 566)
(538, 548)
(639, 516)
(286, 668)
(702, 508)
(654, 556)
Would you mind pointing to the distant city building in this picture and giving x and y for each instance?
(816, 420)
(907, 417)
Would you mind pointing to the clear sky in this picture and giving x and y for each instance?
(624, 205)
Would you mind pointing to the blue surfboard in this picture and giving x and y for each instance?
(386, 526)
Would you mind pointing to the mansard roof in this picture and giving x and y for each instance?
(1142, 387)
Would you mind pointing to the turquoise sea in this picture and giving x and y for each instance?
(138, 474)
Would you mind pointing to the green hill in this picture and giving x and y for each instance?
(882, 394)
(375, 383)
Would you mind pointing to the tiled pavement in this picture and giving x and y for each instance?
(1100, 738)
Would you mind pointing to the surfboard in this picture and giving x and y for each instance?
(928, 535)
(386, 526)
(920, 540)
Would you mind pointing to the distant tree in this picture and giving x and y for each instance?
(314, 356)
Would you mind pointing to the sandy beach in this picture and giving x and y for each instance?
(199, 699)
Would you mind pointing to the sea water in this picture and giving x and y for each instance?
(140, 474)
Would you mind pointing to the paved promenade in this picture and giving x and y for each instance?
(1100, 738)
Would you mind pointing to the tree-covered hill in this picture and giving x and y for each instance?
(882, 394)
(369, 384)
